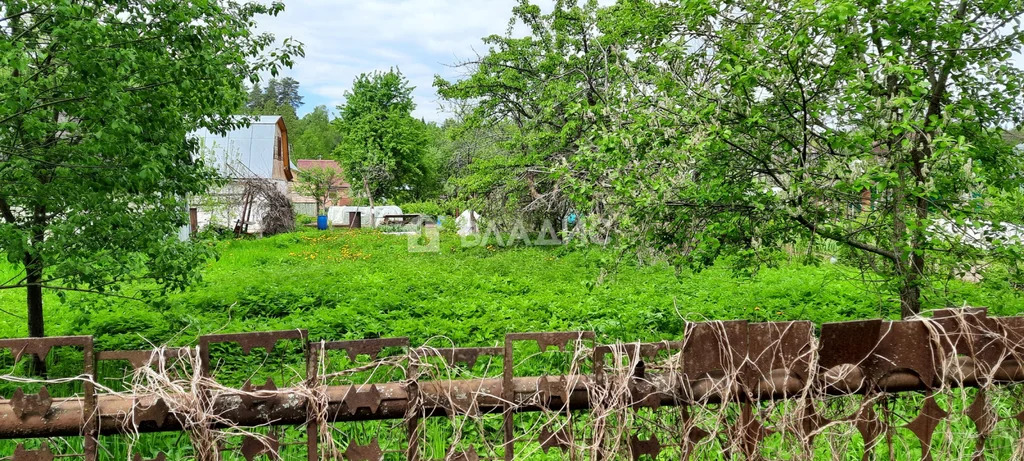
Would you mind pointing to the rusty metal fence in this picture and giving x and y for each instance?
(947, 385)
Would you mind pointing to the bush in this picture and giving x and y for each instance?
(216, 232)
(392, 228)
(449, 225)
(427, 208)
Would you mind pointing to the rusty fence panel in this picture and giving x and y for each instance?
(723, 388)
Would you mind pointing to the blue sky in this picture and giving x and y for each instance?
(344, 38)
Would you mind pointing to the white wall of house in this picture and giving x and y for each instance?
(256, 151)
(223, 207)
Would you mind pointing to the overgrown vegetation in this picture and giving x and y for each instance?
(357, 284)
(354, 284)
(821, 161)
(703, 129)
(98, 100)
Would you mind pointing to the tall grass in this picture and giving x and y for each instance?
(346, 284)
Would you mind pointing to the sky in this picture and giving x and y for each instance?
(344, 38)
(422, 38)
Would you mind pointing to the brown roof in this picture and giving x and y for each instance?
(331, 164)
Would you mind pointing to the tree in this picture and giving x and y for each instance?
(319, 183)
(288, 93)
(473, 168)
(382, 144)
(283, 92)
(791, 114)
(540, 97)
(270, 98)
(256, 99)
(317, 137)
(732, 128)
(98, 99)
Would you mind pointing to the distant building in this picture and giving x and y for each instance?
(340, 193)
(259, 152)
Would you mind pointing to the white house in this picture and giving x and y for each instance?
(257, 152)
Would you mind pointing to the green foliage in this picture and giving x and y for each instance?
(382, 146)
(285, 111)
(317, 182)
(436, 155)
(346, 284)
(314, 137)
(438, 208)
(489, 176)
(96, 105)
(282, 98)
(534, 98)
(278, 93)
(729, 129)
(349, 284)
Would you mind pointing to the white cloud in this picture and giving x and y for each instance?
(344, 38)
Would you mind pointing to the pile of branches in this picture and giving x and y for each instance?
(278, 215)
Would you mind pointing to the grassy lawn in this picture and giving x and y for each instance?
(353, 284)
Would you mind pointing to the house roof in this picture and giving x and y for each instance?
(329, 164)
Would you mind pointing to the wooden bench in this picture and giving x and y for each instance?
(401, 219)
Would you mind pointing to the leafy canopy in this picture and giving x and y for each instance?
(537, 99)
(96, 103)
(315, 136)
(732, 128)
(382, 145)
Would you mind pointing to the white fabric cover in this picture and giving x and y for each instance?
(338, 215)
(468, 223)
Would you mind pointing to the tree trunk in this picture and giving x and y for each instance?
(911, 269)
(366, 188)
(910, 295)
(34, 301)
(910, 301)
(34, 280)
(909, 266)
(34, 266)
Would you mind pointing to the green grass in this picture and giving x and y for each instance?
(360, 284)
(356, 284)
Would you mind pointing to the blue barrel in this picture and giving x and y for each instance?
(321, 222)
